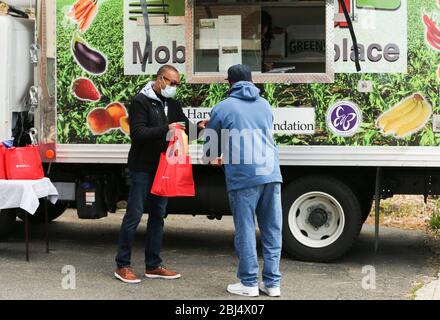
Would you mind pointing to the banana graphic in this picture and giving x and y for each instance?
(417, 123)
(400, 109)
(392, 126)
(408, 116)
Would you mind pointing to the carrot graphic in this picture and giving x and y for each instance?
(83, 13)
(84, 25)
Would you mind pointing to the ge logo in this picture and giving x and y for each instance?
(344, 118)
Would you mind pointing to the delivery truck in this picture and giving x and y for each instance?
(354, 86)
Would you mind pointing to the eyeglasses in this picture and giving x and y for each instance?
(172, 83)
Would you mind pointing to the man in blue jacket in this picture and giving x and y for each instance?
(240, 128)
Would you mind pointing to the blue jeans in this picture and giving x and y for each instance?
(264, 201)
(141, 183)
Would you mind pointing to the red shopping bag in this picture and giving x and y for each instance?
(23, 163)
(174, 176)
(2, 162)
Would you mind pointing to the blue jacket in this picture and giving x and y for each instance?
(249, 153)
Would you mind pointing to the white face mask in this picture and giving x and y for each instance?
(168, 92)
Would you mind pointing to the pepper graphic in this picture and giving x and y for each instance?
(432, 32)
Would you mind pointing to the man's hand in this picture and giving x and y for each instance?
(175, 125)
(217, 162)
(202, 124)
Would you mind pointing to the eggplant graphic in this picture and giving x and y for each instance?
(89, 59)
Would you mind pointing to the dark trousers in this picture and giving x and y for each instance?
(139, 192)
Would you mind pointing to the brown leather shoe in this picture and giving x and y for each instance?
(126, 275)
(162, 272)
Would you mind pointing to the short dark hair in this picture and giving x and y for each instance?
(165, 68)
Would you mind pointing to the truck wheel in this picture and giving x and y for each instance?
(7, 223)
(322, 218)
(53, 212)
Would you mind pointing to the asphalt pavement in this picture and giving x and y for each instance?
(80, 264)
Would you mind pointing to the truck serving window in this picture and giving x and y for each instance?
(281, 40)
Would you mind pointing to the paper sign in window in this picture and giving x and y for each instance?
(208, 34)
(229, 41)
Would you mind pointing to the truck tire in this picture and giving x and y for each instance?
(53, 212)
(322, 218)
(7, 223)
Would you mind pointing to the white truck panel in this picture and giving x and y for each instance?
(289, 155)
(16, 37)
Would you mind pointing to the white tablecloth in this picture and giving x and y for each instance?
(24, 194)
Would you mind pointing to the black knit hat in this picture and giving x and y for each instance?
(239, 72)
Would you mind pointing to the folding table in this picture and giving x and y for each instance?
(25, 195)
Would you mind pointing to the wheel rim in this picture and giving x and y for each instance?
(316, 219)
